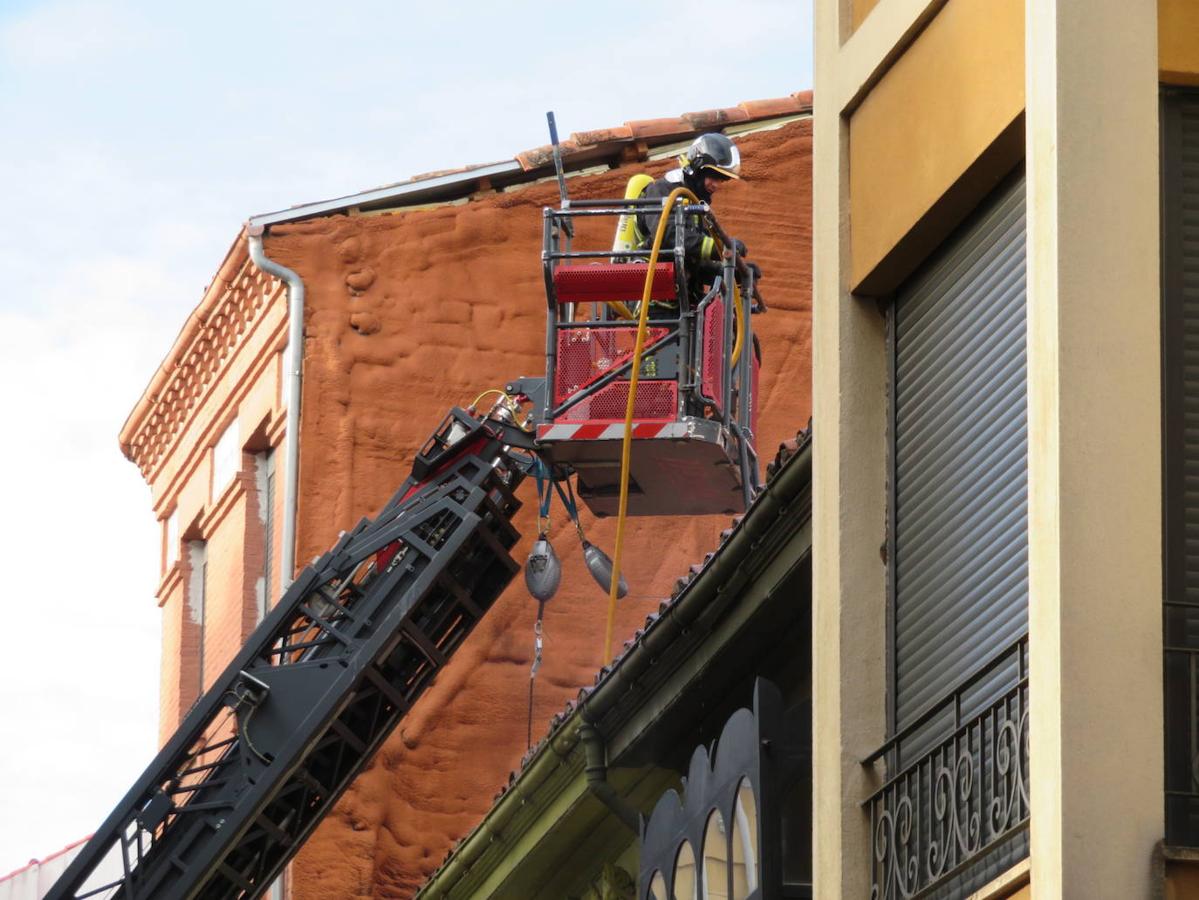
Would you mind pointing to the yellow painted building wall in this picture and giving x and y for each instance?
(924, 116)
(1178, 41)
(861, 9)
(937, 111)
(956, 90)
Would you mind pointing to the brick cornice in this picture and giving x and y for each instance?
(231, 304)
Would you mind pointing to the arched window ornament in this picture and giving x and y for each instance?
(716, 858)
(745, 842)
(729, 808)
(685, 876)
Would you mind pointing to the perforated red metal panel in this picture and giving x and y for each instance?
(585, 354)
(712, 366)
(604, 282)
(655, 400)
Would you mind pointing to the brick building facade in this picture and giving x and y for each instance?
(420, 296)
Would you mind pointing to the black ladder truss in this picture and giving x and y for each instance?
(322, 681)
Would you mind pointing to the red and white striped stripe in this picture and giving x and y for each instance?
(607, 431)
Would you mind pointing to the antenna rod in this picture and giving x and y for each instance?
(562, 195)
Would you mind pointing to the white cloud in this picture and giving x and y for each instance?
(75, 32)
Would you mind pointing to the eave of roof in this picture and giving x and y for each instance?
(418, 190)
(235, 259)
(45, 859)
(637, 140)
(530, 791)
(633, 140)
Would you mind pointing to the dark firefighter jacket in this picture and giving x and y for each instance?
(698, 247)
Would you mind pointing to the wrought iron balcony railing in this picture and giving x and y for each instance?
(957, 786)
(1182, 724)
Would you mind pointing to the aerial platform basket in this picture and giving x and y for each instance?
(694, 415)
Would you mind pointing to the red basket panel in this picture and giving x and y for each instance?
(608, 282)
(712, 368)
(655, 400)
(585, 354)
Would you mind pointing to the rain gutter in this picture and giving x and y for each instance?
(711, 588)
(449, 185)
(295, 344)
(596, 755)
(391, 195)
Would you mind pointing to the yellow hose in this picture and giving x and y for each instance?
(740, 326)
(621, 309)
(627, 443)
(475, 402)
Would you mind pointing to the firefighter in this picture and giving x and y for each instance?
(710, 161)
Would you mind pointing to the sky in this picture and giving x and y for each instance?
(135, 138)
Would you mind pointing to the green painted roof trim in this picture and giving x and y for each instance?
(553, 784)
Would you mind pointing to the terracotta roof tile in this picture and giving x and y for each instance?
(716, 118)
(788, 449)
(45, 859)
(602, 136)
(658, 128)
(781, 106)
(439, 173)
(544, 155)
(658, 131)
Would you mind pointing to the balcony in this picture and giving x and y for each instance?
(1182, 723)
(953, 812)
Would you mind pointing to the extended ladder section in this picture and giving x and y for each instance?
(351, 645)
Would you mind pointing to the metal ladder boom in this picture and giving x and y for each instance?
(269, 748)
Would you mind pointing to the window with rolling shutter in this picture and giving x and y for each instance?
(953, 812)
(1180, 344)
(960, 469)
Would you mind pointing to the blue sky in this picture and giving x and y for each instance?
(136, 138)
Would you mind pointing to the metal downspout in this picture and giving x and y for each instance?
(595, 756)
(295, 343)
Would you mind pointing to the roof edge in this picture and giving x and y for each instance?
(235, 259)
(615, 682)
(422, 184)
(580, 147)
(45, 859)
(583, 150)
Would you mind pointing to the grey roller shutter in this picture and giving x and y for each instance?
(1180, 316)
(1181, 271)
(960, 511)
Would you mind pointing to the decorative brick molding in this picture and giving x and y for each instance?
(230, 306)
